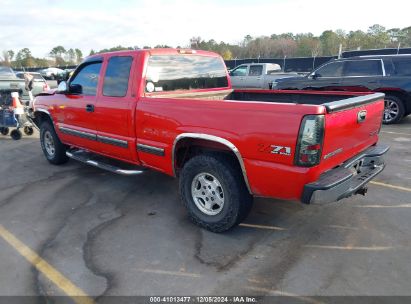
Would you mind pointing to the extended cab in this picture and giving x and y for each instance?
(174, 111)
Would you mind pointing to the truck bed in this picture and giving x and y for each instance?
(332, 100)
(298, 97)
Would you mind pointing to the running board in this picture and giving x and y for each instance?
(104, 163)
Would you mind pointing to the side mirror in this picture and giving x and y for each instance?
(62, 88)
(76, 89)
(314, 75)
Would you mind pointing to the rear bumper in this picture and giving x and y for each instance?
(348, 179)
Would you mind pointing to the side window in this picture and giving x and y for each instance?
(255, 70)
(331, 70)
(402, 67)
(363, 68)
(117, 76)
(388, 66)
(87, 78)
(240, 71)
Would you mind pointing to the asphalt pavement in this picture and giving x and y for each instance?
(114, 235)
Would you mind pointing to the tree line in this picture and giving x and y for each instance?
(274, 46)
(58, 56)
(307, 44)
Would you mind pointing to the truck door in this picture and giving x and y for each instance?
(255, 77)
(362, 75)
(238, 76)
(114, 109)
(77, 120)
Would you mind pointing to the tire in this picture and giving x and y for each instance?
(394, 110)
(4, 131)
(53, 149)
(230, 202)
(16, 134)
(28, 131)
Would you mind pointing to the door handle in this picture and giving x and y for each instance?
(90, 108)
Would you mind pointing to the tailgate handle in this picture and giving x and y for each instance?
(90, 108)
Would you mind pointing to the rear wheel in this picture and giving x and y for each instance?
(394, 110)
(53, 149)
(214, 192)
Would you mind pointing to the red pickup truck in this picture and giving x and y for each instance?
(174, 111)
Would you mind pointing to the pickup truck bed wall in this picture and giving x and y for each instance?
(278, 123)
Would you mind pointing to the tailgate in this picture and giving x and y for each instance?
(351, 126)
(13, 85)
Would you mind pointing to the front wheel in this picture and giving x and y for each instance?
(214, 192)
(393, 111)
(53, 149)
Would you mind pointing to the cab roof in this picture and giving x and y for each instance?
(160, 51)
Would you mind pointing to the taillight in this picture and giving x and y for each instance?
(46, 87)
(310, 141)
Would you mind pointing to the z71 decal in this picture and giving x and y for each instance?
(273, 149)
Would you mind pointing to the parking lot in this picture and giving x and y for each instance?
(104, 234)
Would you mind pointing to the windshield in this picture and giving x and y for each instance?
(36, 77)
(6, 72)
(185, 72)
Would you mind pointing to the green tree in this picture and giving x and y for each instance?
(57, 53)
(330, 43)
(356, 40)
(71, 56)
(378, 36)
(24, 58)
(79, 55)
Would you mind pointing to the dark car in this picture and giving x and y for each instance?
(387, 74)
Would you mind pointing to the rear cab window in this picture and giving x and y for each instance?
(167, 73)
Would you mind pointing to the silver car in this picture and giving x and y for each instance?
(257, 75)
(39, 83)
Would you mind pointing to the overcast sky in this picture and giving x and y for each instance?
(87, 24)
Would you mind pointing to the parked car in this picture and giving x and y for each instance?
(175, 111)
(257, 75)
(386, 74)
(39, 83)
(52, 73)
(9, 83)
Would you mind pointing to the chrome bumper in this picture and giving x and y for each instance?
(348, 179)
